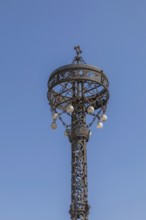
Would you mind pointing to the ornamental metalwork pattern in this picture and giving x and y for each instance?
(78, 96)
(79, 136)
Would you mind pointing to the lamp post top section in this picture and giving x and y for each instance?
(78, 82)
(77, 65)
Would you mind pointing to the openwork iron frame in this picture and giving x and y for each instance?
(78, 85)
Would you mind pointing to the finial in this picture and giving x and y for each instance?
(78, 50)
(78, 59)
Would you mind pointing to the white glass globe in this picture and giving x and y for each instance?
(81, 217)
(99, 124)
(65, 133)
(70, 109)
(103, 117)
(90, 109)
(55, 116)
(53, 125)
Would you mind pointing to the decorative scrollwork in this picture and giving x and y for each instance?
(75, 83)
(80, 92)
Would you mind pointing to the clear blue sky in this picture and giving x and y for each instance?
(37, 36)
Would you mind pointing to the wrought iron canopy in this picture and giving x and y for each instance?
(81, 83)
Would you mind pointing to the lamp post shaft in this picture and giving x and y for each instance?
(79, 136)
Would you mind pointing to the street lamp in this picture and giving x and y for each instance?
(79, 91)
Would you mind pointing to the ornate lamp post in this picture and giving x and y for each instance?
(80, 92)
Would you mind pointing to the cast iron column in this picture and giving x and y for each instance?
(79, 136)
(80, 92)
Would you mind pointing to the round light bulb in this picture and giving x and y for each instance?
(70, 109)
(81, 217)
(90, 109)
(104, 117)
(99, 124)
(53, 125)
(65, 133)
(55, 116)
